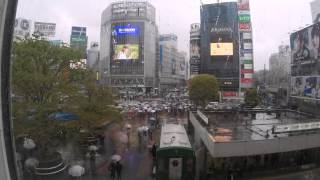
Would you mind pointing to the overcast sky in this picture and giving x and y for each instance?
(272, 20)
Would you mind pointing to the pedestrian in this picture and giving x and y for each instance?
(118, 170)
(154, 151)
(112, 169)
(93, 162)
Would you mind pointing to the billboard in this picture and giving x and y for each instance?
(126, 45)
(22, 27)
(221, 49)
(126, 30)
(126, 51)
(244, 18)
(195, 48)
(305, 45)
(306, 87)
(45, 29)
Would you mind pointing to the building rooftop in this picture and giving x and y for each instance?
(246, 126)
(174, 135)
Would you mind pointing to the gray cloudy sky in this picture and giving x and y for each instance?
(272, 20)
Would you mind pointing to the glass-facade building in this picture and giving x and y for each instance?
(220, 44)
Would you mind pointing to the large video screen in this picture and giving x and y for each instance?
(305, 45)
(306, 87)
(126, 51)
(221, 49)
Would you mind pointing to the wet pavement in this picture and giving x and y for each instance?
(136, 159)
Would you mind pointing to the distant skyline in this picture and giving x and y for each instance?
(272, 20)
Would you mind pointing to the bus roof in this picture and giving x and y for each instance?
(174, 135)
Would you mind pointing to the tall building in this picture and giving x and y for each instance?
(279, 67)
(79, 39)
(172, 63)
(194, 49)
(315, 10)
(93, 55)
(246, 46)
(128, 44)
(305, 69)
(220, 45)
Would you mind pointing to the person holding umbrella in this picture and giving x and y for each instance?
(118, 170)
(112, 169)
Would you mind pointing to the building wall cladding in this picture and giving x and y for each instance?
(172, 64)
(219, 24)
(126, 12)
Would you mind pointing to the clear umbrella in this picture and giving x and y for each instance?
(116, 157)
(28, 143)
(76, 171)
(31, 163)
(93, 148)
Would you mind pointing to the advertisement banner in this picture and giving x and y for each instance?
(195, 48)
(306, 87)
(229, 94)
(221, 49)
(127, 30)
(248, 66)
(244, 26)
(247, 62)
(305, 45)
(246, 81)
(22, 27)
(45, 29)
(248, 76)
(244, 18)
(247, 46)
(246, 36)
(244, 71)
(243, 5)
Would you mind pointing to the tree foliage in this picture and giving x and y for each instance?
(203, 88)
(252, 98)
(43, 83)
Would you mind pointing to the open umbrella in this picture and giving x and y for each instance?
(31, 163)
(63, 116)
(76, 171)
(29, 143)
(116, 157)
(93, 148)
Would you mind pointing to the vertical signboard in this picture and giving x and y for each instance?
(194, 49)
(246, 47)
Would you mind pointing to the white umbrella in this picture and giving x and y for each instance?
(31, 163)
(116, 157)
(28, 143)
(93, 148)
(76, 171)
(128, 126)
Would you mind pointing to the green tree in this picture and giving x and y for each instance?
(252, 98)
(43, 83)
(203, 88)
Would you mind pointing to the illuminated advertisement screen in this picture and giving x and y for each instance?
(221, 49)
(126, 44)
(126, 30)
(126, 51)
